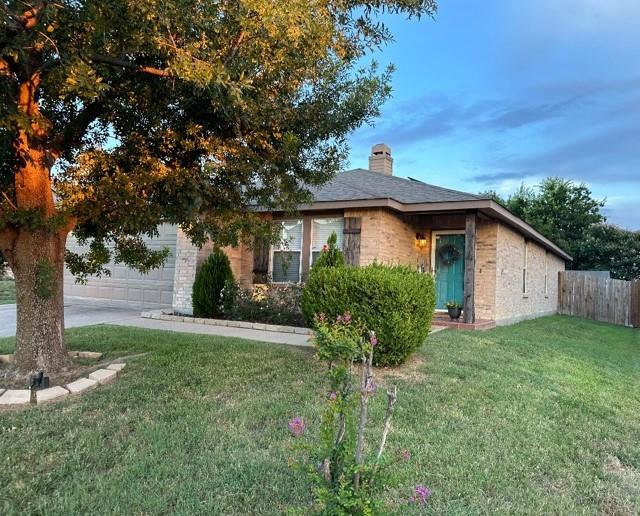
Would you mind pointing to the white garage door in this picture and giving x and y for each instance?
(150, 290)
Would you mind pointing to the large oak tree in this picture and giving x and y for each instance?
(119, 115)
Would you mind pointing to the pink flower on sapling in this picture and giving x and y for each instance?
(333, 396)
(325, 247)
(373, 339)
(371, 387)
(297, 426)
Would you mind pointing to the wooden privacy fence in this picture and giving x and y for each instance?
(599, 298)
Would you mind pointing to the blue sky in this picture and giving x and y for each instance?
(494, 93)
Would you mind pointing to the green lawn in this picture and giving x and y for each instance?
(538, 418)
(7, 292)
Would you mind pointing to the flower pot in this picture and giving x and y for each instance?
(454, 312)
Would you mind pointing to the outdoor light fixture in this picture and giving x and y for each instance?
(39, 381)
(421, 241)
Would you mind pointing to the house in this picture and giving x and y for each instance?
(500, 268)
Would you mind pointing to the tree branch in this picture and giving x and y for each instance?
(32, 17)
(392, 395)
(21, 23)
(8, 238)
(235, 47)
(366, 385)
(75, 129)
(114, 61)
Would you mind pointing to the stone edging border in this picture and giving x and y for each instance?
(164, 315)
(14, 398)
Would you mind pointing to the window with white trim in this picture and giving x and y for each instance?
(321, 230)
(525, 286)
(546, 273)
(287, 253)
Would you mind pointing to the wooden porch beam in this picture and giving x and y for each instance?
(468, 311)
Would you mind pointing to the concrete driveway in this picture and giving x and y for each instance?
(77, 312)
(87, 312)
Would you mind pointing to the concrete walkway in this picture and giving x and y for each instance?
(87, 312)
(292, 339)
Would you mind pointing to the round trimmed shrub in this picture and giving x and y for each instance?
(212, 278)
(395, 302)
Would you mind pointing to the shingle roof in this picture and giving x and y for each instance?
(360, 184)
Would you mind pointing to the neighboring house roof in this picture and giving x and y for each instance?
(360, 188)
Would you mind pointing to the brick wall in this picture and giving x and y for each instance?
(485, 274)
(241, 259)
(386, 237)
(189, 258)
(511, 303)
(185, 273)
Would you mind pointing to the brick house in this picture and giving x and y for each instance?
(500, 268)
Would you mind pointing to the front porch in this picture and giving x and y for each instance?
(449, 245)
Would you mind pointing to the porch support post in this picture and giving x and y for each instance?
(468, 313)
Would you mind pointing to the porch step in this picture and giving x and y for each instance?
(445, 320)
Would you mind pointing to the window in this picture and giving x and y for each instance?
(546, 273)
(285, 262)
(321, 230)
(524, 269)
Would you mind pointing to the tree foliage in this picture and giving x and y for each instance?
(567, 214)
(608, 247)
(184, 112)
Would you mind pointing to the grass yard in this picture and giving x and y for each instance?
(7, 292)
(539, 418)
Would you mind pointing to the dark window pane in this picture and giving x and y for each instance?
(286, 266)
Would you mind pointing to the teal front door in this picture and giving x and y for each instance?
(449, 269)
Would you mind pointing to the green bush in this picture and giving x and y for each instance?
(268, 303)
(395, 302)
(211, 284)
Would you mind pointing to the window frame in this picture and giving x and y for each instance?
(525, 270)
(546, 273)
(273, 249)
(311, 250)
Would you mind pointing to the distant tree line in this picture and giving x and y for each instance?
(567, 213)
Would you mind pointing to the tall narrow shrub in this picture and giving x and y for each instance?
(330, 256)
(208, 288)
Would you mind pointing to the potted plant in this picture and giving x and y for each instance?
(455, 309)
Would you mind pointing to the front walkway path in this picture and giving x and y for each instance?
(292, 339)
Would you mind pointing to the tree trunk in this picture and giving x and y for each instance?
(35, 251)
(38, 268)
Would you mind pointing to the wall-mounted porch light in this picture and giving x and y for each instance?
(421, 240)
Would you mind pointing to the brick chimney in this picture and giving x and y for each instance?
(380, 160)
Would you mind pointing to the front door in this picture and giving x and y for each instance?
(449, 269)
